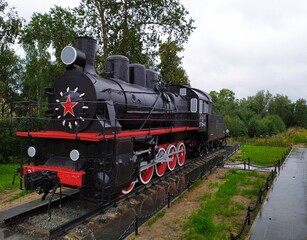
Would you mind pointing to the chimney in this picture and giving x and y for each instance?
(88, 46)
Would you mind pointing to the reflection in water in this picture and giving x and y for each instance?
(249, 167)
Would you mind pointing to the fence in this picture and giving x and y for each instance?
(269, 180)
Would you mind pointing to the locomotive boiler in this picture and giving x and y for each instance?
(106, 134)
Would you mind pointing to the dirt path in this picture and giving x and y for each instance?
(170, 225)
(5, 197)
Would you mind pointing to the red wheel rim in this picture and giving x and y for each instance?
(170, 151)
(160, 167)
(181, 153)
(146, 175)
(129, 189)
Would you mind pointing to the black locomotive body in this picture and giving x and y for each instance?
(106, 134)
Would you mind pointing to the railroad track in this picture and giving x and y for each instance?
(144, 200)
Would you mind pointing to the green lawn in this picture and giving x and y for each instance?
(223, 212)
(260, 155)
(6, 177)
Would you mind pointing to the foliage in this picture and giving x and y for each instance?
(53, 30)
(298, 135)
(281, 105)
(135, 28)
(256, 127)
(10, 66)
(132, 28)
(10, 24)
(8, 142)
(273, 125)
(262, 115)
(235, 126)
(224, 102)
(170, 66)
(300, 113)
(220, 214)
(260, 102)
(284, 139)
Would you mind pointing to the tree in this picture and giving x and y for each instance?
(235, 126)
(256, 127)
(10, 69)
(8, 143)
(128, 27)
(281, 105)
(300, 113)
(10, 25)
(170, 66)
(53, 30)
(260, 102)
(135, 28)
(224, 102)
(273, 125)
(243, 111)
(215, 99)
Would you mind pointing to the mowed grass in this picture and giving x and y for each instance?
(259, 155)
(6, 177)
(223, 212)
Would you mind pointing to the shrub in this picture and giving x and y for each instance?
(235, 126)
(273, 125)
(256, 128)
(8, 141)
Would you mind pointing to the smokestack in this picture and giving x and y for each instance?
(88, 46)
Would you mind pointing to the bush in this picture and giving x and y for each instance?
(8, 141)
(235, 126)
(273, 125)
(256, 128)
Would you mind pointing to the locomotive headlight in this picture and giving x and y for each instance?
(74, 155)
(31, 151)
(71, 55)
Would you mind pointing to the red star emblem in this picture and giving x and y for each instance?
(68, 106)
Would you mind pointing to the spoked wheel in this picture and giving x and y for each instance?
(129, 189)
(146, 175)
(181, 154)
(160, 167)
(171, 149)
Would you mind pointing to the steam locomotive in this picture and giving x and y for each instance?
(106, 134)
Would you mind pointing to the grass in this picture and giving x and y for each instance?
(7, 172)
(19, 195)
(221, 213)
(259, 155)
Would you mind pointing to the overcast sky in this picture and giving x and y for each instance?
(242, 45)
